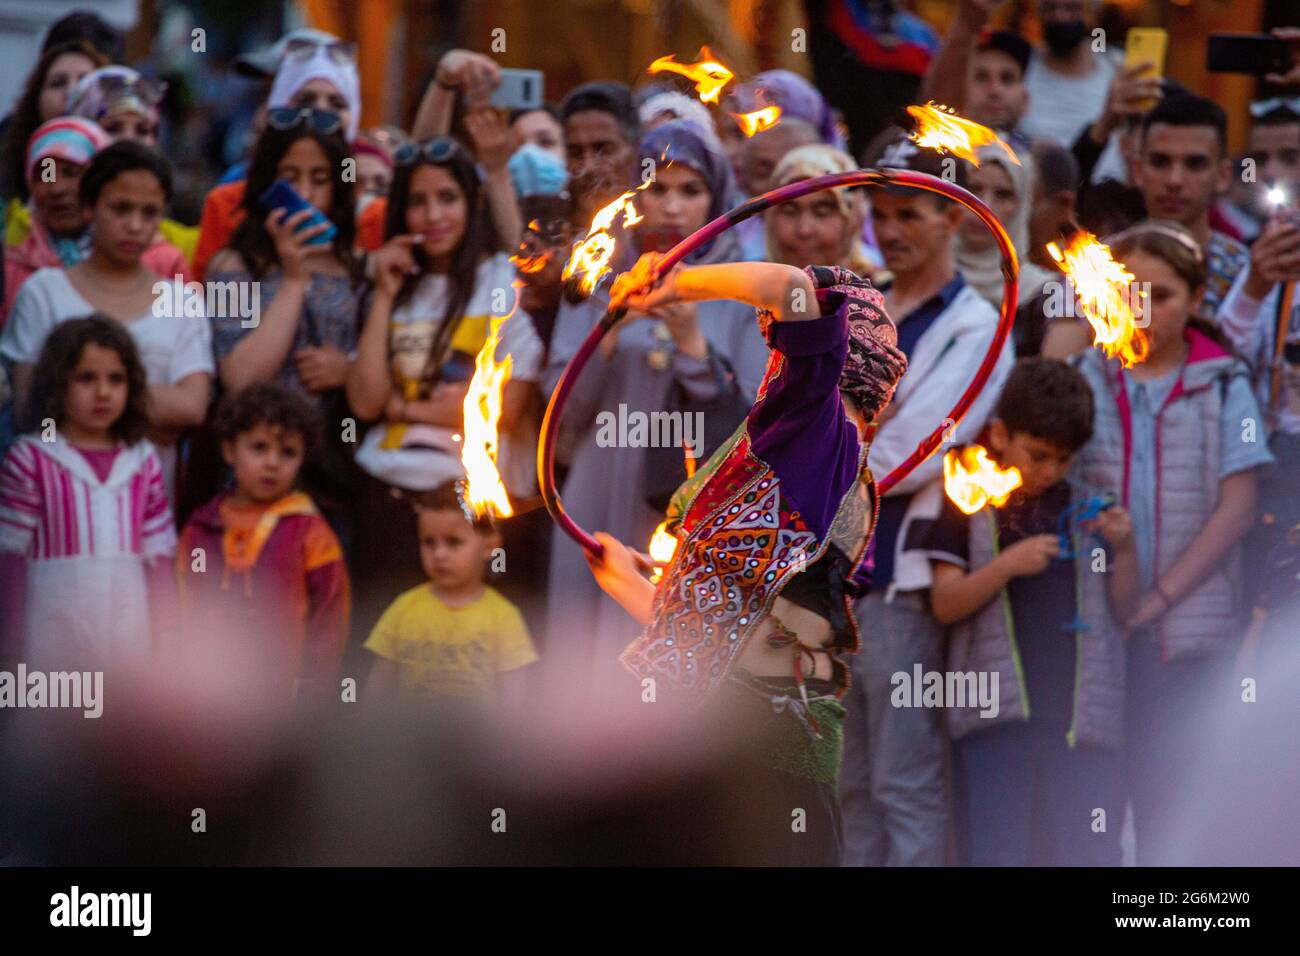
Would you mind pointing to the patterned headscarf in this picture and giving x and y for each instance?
(680, 142)
(114, 89)
(64, 137)
(875, 363)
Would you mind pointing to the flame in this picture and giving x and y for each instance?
(662, 548)
(708, 74)
(1105, 292)
(529, 264)
(941, 129)
(484, 491)
(972, 480)
(591, 257)
(756, 121)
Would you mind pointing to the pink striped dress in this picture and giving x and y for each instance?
(86, 542)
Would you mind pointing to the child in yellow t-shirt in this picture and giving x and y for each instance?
(454, 636)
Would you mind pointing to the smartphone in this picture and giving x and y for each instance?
(518, 90)
(280, 195)
(1147, 44)
(1254, 54)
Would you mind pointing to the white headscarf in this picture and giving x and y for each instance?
(294, 74)
(982, 265)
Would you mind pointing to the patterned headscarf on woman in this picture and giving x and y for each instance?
(115, 89)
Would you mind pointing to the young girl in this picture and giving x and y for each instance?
(753, 615)
(82, 505)
(309, 292)
(123, 193)
(127, 106)
(1178, 438)
(679, 353)
(438, 283)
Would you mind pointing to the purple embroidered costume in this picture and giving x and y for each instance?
(789, 488)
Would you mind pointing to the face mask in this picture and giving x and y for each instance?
(1063, 38)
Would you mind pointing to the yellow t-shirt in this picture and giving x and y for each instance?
(451, 651)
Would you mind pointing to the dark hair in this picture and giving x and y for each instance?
(479, 238)
(1174, 245)
(59, 357)
(1056, 167)
(272, 405)
(113, 160)
(549, 109)
(90, 28)
(446, 497)
(1278, 116)
(893, 143)
(607, 97)
(1048, 399)
(1109, 206)
(1188, 109)
(250, 238)
(27, 116)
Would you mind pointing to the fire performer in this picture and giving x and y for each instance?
(753, 613)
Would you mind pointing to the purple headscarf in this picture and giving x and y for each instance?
(679, 142)
(796, 97)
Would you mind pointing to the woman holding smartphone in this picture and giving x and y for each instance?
(304, 291)
(438, 282)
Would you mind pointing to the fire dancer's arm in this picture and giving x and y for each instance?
(784, 291)
(618, 572)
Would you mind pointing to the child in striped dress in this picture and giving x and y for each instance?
(85, 530)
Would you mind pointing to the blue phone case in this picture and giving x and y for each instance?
(280, 195)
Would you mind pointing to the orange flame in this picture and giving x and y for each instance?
(708, 75)
(972, 480)
(941, 129)
(484, 490)
(529, 264)
(662, 548)
(591, 257)
(756, 121)
(1106, 291)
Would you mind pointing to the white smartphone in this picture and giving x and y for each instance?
(518, 90)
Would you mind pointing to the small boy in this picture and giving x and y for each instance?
(259, 562)
(1039, 755)
(454, 636)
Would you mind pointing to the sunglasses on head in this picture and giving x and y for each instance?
(290, 117)
(304, 48)
(149, 91)
(436, 150)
